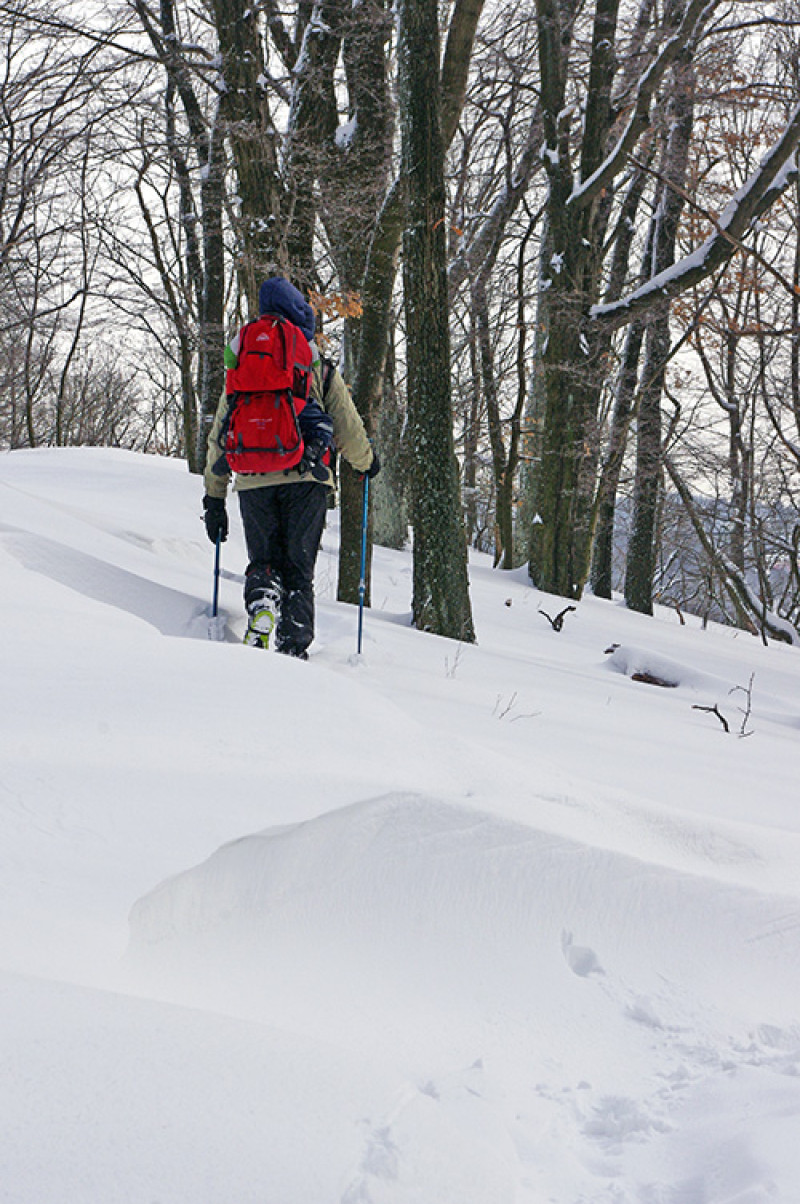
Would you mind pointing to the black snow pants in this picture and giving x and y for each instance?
(283, 527)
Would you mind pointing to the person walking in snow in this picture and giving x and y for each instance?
(283, 509)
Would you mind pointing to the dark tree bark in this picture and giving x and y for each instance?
(440, 601)
(572, 366)
(377, 285)
(569, 362)
(641, 557)
(641, 560)
(353, 191)
(246, 124)
(624, 396)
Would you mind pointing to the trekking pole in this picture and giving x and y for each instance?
(362, 582)
(215, 603)
(213, 627)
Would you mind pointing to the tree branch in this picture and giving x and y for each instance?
(695, 15)
(777, 170)
(455, 64)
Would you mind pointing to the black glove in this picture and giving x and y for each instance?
(374, 467)
(311, 461)
(215, 517)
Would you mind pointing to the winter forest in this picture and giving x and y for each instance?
(478, 913)
(552, 246)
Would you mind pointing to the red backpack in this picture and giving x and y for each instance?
(267, 391)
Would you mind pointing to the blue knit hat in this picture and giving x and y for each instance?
(278, 296)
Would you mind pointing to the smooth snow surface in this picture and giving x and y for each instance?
(440, 924)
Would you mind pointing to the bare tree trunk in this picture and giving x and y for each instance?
(624, 393)
(569, 362)
(641, 561)
(379, 276)
(368, 384)
(206, 256)
(471, 431)
(641, 558)
(440, 601)
(245, 122)
(390, 514)
(603, 549)
(503, 520)
(354, 189)
(212, 312)
(573, 361)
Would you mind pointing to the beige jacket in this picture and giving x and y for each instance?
(349, 437)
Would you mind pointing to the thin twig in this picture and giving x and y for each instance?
(714, 711)
(748, 693)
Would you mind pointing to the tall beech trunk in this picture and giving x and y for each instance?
(573, 361)
(440, 601)
(641, 559)
(379, 276)
(246, 124)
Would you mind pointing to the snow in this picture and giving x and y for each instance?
(440, 924)
(345, 134)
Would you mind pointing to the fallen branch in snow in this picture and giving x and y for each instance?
(558, 622)
(714, 711)
(650, 679)
(508, 708)
(450, 670)
(502, 714)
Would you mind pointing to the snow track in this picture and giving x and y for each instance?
(496, 924)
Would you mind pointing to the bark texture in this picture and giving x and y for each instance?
(440, 601)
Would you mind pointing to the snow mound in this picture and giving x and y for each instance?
(441, 922)
(642, 664)
(487, 956)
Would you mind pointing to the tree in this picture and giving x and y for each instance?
(582, 170)
(440, 600)
(195, 143)
(377, 284)
(641, 559)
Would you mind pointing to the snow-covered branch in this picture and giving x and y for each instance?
(697, 13)
(776, 171)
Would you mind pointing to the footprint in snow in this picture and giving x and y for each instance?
(580, 959)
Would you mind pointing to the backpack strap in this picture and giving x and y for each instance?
(328, 369)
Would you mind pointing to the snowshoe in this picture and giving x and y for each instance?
(260, 627)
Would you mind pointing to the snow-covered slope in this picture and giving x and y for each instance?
(441, 924)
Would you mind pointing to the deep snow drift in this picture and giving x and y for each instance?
(441, 924)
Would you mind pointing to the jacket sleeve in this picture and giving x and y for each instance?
(217, 475)
(349, 434)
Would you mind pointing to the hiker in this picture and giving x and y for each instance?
(283, 487)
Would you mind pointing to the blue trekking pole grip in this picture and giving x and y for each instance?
(362, 582)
